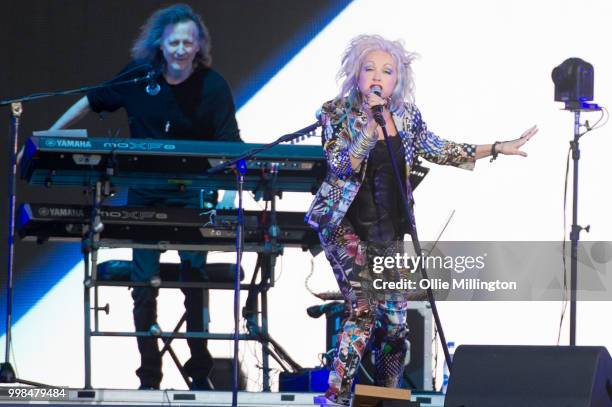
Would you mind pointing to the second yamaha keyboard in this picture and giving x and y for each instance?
(163, 228)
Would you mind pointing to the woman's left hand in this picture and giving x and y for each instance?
(513, 147)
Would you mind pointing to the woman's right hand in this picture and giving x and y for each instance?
(371, 100)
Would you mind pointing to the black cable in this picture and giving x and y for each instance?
(564, 305)
(604, 113)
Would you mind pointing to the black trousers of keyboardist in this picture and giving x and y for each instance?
(145, 266)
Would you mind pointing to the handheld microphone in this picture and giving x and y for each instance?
(152, 87)
(378, 109)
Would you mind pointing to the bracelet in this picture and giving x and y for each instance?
(494, 152)
(361, 146)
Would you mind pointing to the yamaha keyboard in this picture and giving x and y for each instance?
(164, 228)
(155, 163)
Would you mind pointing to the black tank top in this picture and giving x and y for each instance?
(377, 213)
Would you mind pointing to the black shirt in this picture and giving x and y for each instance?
(199, 108)
(376, 213)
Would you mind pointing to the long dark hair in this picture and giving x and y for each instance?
(147, 45)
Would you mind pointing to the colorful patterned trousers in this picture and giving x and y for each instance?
(378, 319)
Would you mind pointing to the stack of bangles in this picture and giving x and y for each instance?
(361, 146)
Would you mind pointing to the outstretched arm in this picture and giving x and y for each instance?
(72, 115)
(512, 147)
(75, 113)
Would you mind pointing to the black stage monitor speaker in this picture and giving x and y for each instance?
(530, 376)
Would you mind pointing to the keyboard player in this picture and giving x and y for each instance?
(189, 101)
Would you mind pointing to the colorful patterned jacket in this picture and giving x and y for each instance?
(341, 125)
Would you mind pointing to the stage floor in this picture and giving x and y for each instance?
(114, 397)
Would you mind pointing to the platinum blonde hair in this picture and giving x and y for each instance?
(352, 61)
(147, 45)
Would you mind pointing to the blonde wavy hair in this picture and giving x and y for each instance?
(353, 58)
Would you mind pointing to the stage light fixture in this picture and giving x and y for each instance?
(573, 81)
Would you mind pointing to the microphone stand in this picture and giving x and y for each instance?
(409, 210)
(150, 75)
(7, 373)
(240, 166)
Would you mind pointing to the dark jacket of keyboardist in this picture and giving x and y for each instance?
(200, 108)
